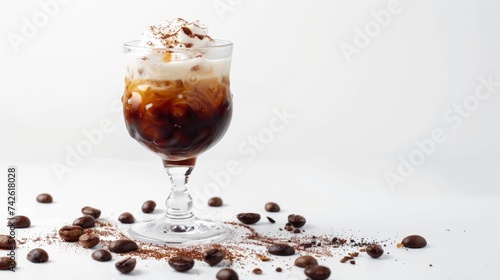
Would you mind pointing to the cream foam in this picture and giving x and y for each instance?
(154, 68)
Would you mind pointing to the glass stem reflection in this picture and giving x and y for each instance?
(179, 203)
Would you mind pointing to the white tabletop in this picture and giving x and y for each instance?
(460, 230)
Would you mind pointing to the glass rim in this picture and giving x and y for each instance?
(219, 44)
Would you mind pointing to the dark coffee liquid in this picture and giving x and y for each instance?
(177, 119)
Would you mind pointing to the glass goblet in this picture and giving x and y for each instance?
(177, 103)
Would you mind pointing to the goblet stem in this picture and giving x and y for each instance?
(179, 203)
(179, 225)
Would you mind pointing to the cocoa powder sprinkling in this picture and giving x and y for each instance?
(247, 244)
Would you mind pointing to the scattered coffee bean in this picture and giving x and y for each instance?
(126, 266)
(272, 207)
(227, 274)
(317, 272)
(19, 222)
(6, 263)
(148, 206)
(213, 256)
(7, 242)
(37, 255)
(91, 211)
(44, 198)
(70, 233)
(257, 271)
(289, 228)
(279, 269)
(296, 220)
(355, 254)
(215, 201)
(414, 241)
(374, 251)
(296, 230)
(89, 240)
(281, 250)
(352, 262)
(86, 221)
(304, 261)
(271, 220)
(122, 246)
(248, 218)
(181, 263)
(102, 255)
(126, 218)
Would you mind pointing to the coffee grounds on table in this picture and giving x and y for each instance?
(246, 244)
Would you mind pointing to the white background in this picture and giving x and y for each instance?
(66, 78)
(355, 117)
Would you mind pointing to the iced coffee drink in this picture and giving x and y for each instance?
(177, 103)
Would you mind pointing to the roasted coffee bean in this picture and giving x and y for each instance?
(304, 261)
(374, 251)
(70, 233)
(257, 271)
(296, 220)
(248, 218)
(213, 256)
(148, 206)
(37, 255)
(181, 263)
(317, 272)
(281, 250)
(91, 211)
(7, 242)
(122, 246)
(414, 241)
(126, 266)
(126, 218)
(215, 201)
(272, 207)
(19, 222)
(227, 274)
(6, 263)
(44, 198)
(102, 255)
(89, 240)
(279, 269)
(86, 221)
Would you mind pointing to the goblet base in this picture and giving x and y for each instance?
(190, 232)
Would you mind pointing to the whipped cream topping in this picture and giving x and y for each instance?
(177, 33)
(179, 57)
